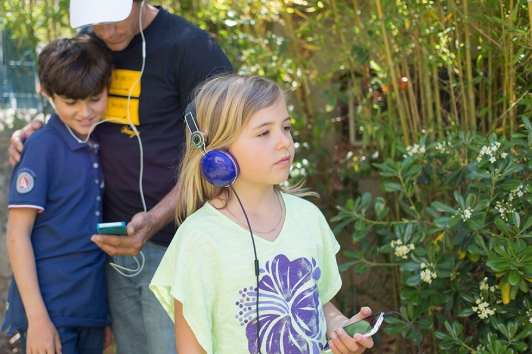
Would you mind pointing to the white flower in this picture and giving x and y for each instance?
(401, 251)
(428, 274)
(425, 276)
(484, 284)
(483, 310)
(464, 214)
(415, 149)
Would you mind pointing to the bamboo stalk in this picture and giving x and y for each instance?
(469, 68)
(530, 14)
(511, 72)
(393, 74)
(429, 102)
(436, 95)
(412, 97)
(357, 17)
(344, 42)
(419, 85)
(413, 128)
(450, 74)
(463, 112)
(490, 92)
(304, 93)
(505, 75)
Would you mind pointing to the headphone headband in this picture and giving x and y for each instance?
(196, 136)
(219, 167)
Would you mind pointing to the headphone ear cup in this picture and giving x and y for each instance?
(219, 167)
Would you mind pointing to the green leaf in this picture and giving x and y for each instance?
(520, 246)
(362, 268)
(365, 201)
(516, 219)
(459, 199)
(379, 205)
(443, 221)
(441, 335)
(475, 224)
(502, 328)
(501, 225)
(410, 266)
(520, 346)
(511, 184)
(390, 187)
(466, 312)
(467, 297)
(354, 255)
(442, 207)
(527, 223)
(514, 278)
(345, 266)
(413, 280)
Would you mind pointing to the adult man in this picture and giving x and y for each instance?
(150, 89)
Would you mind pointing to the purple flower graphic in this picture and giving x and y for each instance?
(290, 311)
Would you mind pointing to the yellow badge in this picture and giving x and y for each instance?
(123, 84)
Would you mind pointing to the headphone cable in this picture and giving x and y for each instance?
(256, 265)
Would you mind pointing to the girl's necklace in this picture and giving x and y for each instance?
(261, 232)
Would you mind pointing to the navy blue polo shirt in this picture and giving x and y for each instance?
(62, 179)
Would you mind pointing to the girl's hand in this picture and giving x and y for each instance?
(342, 343)
(42, 338)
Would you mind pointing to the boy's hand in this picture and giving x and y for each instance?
(108, 338)
(342, 343)
(19, 137)
(42, 338)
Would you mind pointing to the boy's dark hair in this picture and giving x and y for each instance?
(76, 68)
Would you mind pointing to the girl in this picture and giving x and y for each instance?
(206, 280)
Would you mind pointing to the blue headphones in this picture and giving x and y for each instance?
(219, 167)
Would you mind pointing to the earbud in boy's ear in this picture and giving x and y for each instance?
(218, 167)
(50, 101)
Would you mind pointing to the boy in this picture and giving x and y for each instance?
(57, 299)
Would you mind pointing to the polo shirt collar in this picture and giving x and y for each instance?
(61, 128)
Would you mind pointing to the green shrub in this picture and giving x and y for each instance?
(457, 225)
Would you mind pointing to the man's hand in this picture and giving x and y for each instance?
(342, 343)
(19, 137)
(140, 229)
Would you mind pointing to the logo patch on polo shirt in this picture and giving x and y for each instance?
(25, 182)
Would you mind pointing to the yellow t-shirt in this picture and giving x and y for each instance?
(209, 268)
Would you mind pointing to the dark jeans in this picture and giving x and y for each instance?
(76, 340)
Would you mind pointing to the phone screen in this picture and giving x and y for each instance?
(367, 326)
(112, 228)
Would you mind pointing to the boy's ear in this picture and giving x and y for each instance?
(50, 99)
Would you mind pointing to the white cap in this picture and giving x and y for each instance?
(93, 12)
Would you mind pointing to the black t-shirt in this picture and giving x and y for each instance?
(179, 56)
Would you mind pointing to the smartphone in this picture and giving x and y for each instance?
(112, 228)
(367, 327)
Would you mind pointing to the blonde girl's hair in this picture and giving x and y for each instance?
(224, 105)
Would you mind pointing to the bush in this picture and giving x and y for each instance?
(457, 226)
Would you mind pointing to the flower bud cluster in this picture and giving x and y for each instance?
(428, 273)
(400, 250)
(491, 152)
